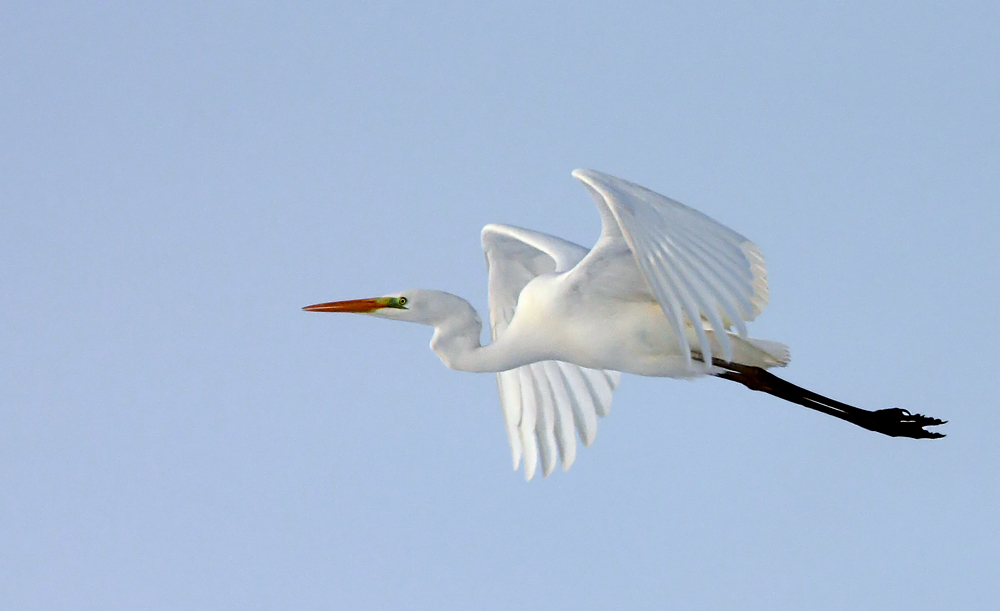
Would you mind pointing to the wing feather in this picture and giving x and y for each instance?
(582, 404)
(693, 307)
(542, 402)
(696, 268)
(529, 415)
(665, 290)
(707, 298)
(509, 384)
(600, 390)
(725, 285)
(545, 429)
(565, 436)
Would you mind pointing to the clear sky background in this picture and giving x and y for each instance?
(177, 180)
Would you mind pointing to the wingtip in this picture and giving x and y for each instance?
(594, 178)
(567, 462)
(587, 177)
(590, 178)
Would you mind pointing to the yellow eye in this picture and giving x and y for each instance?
(402, 301)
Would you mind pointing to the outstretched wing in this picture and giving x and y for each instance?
(542, 402)
(702, 273)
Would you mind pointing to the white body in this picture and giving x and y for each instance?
(555, 321)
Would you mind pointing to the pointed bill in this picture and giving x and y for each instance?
(362, 306)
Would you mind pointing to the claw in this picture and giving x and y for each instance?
(898, 422)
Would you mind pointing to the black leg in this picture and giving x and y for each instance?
(893, 422)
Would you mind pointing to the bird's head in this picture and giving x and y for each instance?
(422, 306)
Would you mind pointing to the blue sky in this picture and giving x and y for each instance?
(177, 180)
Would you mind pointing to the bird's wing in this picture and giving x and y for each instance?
(701, 272)
(542, 402)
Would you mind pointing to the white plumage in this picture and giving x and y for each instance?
(665, 291)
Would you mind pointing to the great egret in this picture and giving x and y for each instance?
(666, 291)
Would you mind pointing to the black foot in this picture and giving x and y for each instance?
(897, 422)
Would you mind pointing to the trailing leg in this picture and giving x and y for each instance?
(893, 422)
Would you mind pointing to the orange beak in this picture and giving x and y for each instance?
(363, 306)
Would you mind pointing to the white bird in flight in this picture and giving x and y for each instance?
(666, 291)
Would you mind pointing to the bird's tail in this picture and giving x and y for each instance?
(779, 352)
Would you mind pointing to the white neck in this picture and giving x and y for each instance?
(456, 342)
